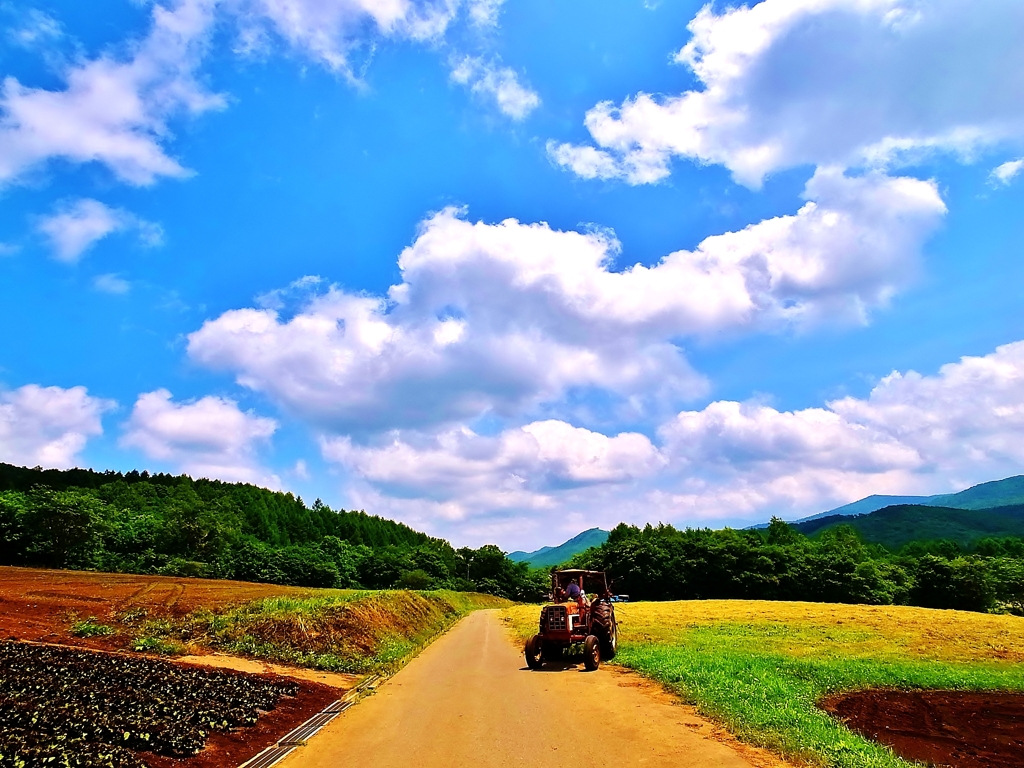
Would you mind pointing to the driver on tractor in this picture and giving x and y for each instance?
(574, 592)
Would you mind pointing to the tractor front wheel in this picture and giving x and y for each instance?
(591, 653)
(532, 650)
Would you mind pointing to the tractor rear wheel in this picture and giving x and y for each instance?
(603, 625)
(591, 653)
(532, 650)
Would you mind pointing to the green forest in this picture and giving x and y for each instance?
(896, 526)
(779, 563)
(173, 525)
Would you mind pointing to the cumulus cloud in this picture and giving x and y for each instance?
(80, 224)
(114, 110)
(497, 83)
(1007, 172)
(514, 469)
(822, 82)
(48, 426)
(501, 317)
(209, 437)
(912, 434)
(728, 462)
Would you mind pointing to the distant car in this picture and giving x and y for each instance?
(619, 598)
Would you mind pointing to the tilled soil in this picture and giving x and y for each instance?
(946, 728)
(40, 605)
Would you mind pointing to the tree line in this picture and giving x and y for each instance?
(779, 563)
(173, 525)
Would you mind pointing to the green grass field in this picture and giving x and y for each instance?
(760, 667)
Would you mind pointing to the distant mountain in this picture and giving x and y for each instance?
(894, 526)
(998, 493)
(545, 557)
(866, 506)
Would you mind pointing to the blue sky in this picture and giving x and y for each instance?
(509, 270)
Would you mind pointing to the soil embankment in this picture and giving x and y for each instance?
(468, 700)
(964, 729)
(39, 605)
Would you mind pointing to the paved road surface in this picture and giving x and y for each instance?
(469, 701)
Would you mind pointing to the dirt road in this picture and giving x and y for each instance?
(468, 700)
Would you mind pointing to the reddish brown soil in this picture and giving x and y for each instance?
(947, 728)
(40, 605)
(229, 750)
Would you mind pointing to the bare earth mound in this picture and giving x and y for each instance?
(37, 604)
(950, 728)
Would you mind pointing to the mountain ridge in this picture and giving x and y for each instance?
(545, 557)
(988, 495)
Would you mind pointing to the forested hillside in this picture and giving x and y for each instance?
(174, 525)
(896, 526)
(546, 557)
(779, 563)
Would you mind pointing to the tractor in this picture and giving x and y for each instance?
(566, 622)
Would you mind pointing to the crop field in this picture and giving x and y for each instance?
(354, 631)
(84, 708)
(42, 605)
(761, 668)
(65, 706)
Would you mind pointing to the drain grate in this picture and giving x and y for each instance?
(302, 734)
(268, 757)
(339, 706)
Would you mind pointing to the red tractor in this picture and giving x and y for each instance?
(573, 618)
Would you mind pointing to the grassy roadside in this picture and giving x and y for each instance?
(337, 630)
(759, 667)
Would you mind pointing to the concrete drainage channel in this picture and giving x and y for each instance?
(298, 737)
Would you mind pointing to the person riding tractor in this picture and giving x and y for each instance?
(573, 618)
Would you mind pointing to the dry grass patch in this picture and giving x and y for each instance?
(761, 667)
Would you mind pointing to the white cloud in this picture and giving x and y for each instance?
(500, 84)
(113, 111)
(116, 109)
(74, 230)
(111, 283)
(728, 462)
(48, 426)
(506, 485)
(586, 162)
(210, 437)
(1008, 171)
(512, 469)
(78, 225)
(484, 13)
(328, 30)
(825, 82)
(8, 249)
(34, 27)
(502, 317)
(912, 434)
